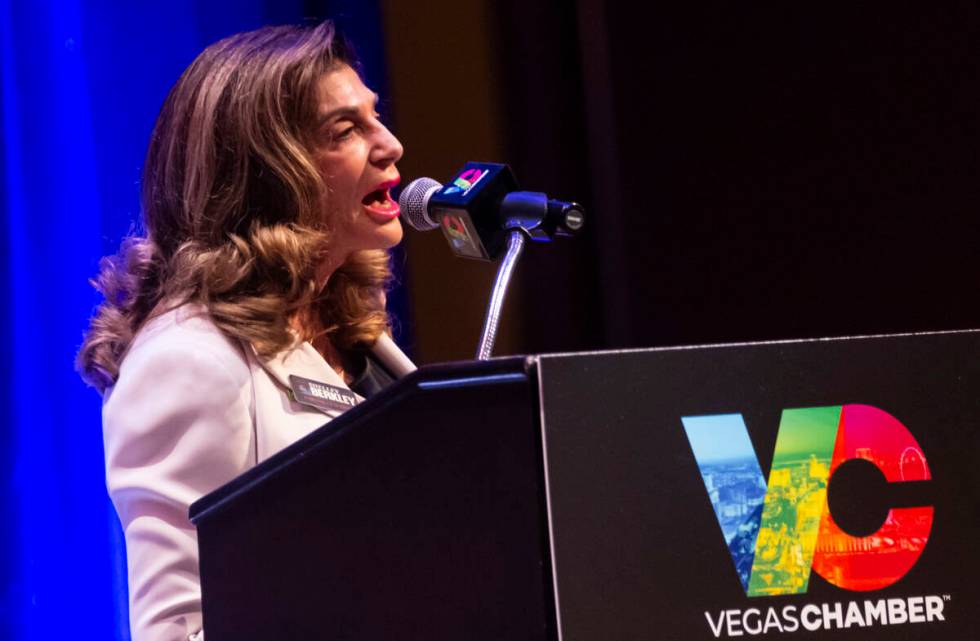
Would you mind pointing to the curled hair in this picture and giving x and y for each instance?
(232, 206)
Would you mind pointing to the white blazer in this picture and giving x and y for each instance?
(190, 411)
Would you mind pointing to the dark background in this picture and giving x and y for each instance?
(751, 170)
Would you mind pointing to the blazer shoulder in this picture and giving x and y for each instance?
(178, 366)
(186, 337)
(179, 420)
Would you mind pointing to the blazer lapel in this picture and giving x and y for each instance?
(303, 361)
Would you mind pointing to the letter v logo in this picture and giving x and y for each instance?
(777, 532)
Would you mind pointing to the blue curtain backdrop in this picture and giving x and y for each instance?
(81, 85)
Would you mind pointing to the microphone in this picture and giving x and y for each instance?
(392, 357)
(480, 207)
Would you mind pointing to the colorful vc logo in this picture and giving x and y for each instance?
(465, 181)
(777, 533)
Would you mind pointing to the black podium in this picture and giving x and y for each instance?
(678, 493)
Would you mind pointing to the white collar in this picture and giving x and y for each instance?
(303, 360)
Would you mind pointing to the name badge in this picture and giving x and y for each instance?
(320, 395)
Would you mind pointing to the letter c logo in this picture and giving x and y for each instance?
(880, 559)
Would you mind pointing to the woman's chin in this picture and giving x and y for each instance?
(393, 233)
(384, 235)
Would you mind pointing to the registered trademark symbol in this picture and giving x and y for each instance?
(947, 597)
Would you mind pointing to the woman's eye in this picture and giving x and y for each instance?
(344, 133)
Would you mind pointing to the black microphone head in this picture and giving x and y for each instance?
(414, 203)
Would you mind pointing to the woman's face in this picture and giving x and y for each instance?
(356, 155)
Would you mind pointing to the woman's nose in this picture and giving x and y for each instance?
(388, 150)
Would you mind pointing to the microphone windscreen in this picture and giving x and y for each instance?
(414, 203)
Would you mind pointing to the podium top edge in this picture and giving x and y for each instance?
(764, 343)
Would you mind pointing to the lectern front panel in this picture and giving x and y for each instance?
(416, 516)
(814, 489)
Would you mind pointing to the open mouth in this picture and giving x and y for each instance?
(380, 203)
(378, 198)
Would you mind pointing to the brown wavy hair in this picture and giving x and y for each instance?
(232, 207)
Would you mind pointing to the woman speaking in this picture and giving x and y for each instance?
(267, 216)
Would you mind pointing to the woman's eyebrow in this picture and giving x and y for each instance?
(345, 112)
(348, 111)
